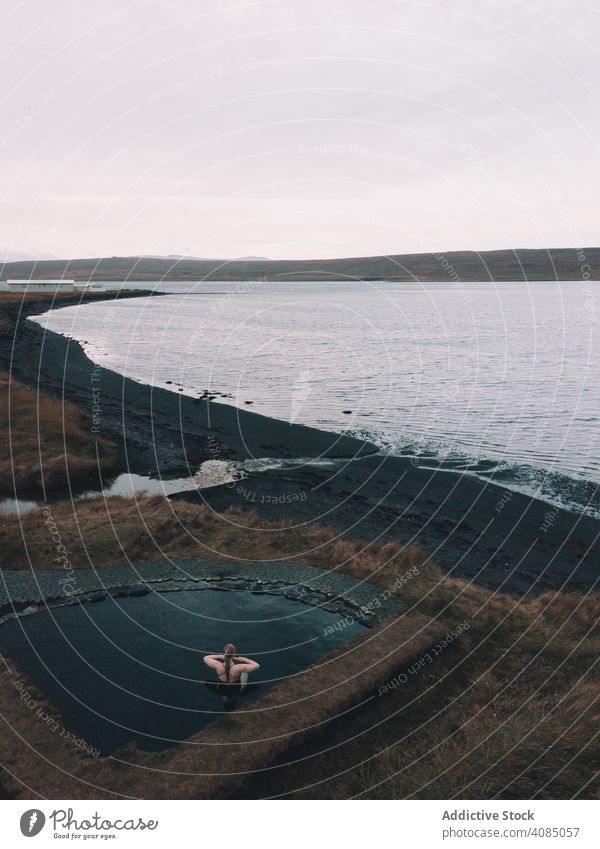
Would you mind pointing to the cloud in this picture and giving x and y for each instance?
(7, 255)
(290, 129)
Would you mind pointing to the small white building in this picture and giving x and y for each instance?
(41, 285)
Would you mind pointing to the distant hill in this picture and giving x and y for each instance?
(521, 264)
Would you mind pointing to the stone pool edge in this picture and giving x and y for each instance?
(27, 593)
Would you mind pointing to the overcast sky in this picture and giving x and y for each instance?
(297, 128)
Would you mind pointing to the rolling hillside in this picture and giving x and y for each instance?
(521, 264)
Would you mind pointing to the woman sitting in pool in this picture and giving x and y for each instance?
(232, 671)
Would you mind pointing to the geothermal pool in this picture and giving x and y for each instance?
(130, 670)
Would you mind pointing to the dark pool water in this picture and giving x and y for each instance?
(131, 669)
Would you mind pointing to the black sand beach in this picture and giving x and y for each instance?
(160, 433)
(471, 528)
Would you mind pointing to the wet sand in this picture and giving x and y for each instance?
(471, 528)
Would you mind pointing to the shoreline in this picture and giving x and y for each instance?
(159, 433)
(474, 529)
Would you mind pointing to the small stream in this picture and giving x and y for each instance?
(211, 473)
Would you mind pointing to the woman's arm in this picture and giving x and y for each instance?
(213, 660)
(244, 664)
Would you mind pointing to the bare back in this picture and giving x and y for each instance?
(237, 667)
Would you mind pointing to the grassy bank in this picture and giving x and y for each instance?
(46, 445)
(510, 711)
(509, 708)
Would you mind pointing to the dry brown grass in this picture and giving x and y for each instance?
(103, 532)
(45, 443)
(512, 710)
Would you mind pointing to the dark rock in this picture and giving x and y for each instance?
(98, 596)
(312, 598)
(137, 591)
(333, 607)
(234, 585)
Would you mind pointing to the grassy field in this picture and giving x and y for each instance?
(46, 445)
(508, 709)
